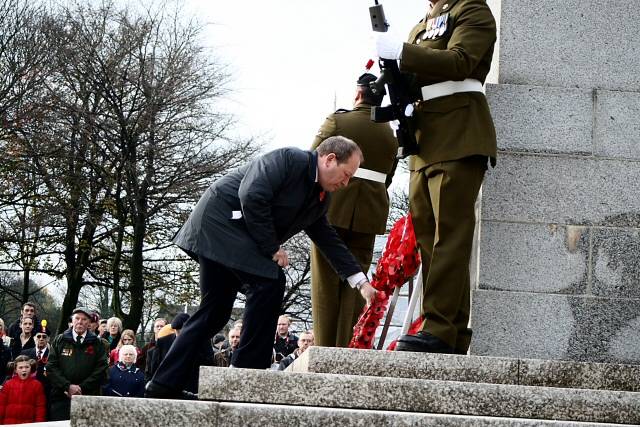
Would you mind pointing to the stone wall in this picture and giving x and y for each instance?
(559, 249)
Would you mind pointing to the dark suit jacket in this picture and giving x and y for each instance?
(244, 217)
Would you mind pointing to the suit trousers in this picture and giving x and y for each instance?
(442, 203)
(336, 306)
(219, 286)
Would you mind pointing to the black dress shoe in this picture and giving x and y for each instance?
(423, 342)
(187, 395)
(159, 391)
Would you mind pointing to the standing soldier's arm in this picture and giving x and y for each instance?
(473, 34)
(327, 129)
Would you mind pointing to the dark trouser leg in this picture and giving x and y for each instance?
(262, 307)
(218, 287)
(60, 409)
(444, 195)
(336, 305)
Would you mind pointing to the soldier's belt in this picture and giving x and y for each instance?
(450, 87)
(370, 175)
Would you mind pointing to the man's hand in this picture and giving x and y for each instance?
(368, 292)
(74, 389)
(281, 258)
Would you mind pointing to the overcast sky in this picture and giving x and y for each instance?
(291, 58)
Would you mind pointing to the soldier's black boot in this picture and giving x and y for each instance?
(423, 342)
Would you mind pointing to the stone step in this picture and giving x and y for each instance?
(417, 395)
(484, 369)
(93, 411)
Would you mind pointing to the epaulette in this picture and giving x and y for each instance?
(342, 110)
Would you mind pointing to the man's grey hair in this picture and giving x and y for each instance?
(342, 147)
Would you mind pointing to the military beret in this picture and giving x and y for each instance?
(365, 79)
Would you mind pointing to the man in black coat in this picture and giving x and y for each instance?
(235, 233)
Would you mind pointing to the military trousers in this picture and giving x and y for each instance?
(336, 306)
(442, 200)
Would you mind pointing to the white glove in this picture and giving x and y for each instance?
(388, 46)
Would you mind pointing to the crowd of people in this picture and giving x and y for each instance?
(97, 356)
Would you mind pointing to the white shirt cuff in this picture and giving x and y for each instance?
(354, 279)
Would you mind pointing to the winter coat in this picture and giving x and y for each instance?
(125, 382)
(72, 363)
(22, 401)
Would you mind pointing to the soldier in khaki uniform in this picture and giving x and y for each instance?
(450, 53)
(357, 212)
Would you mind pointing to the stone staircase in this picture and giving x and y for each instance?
(332, 387)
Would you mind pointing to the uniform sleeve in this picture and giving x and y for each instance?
(53, 366)
(333, 248)
(327, 129)
(261, 183)
(98, 375)
(474, 33)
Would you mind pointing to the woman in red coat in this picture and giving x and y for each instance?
(22, 397)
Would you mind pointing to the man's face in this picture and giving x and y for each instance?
(80, 323)
(41, 340)
(304, 342)
(234, 338)
(333, 176)
(28, 311)
(102, 328)
(283, 326)
(27, 325)
(157, 326)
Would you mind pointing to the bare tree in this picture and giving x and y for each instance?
(122, 136)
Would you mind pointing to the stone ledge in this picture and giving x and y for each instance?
(485, 369)
(425, 396)
(97, 411)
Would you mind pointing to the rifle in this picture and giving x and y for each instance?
(401, 94)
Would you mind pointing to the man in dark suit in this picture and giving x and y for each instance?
(236, 231)
(449, 53)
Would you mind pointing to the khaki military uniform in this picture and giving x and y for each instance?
(456, 136)
(358, 212)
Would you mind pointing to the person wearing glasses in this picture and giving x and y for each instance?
(128, 337)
